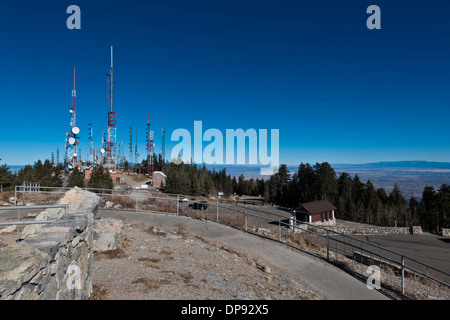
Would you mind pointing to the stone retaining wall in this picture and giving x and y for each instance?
(53, 261)
(373, 230)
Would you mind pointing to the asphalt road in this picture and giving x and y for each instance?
(431, 249)
(11, 214)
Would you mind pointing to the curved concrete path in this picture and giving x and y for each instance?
(333, 282)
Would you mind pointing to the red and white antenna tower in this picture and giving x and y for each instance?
(112, 123)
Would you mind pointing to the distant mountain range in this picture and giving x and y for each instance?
(253, 171)
(399, 164)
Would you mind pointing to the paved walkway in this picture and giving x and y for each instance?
(333, 282)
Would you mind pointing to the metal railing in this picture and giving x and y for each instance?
(313, 239)
(20, 222)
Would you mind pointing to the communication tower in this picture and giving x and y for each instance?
(72, 139)
(131, 146)
(163, 143)
(112, 122)
(150, 148)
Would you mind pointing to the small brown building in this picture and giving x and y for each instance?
(115, 176)
(158, 179)
(317, 212)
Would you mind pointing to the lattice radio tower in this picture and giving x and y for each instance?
(72, 140)
(131, 146)
(112, 121)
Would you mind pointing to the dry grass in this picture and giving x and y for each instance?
(181, 231)
(187, 277)
(152, 283)
(39, 198)
(5, 195)
(98, 293)
(239, 253)
(168, 252)
(110, 254)
(153, 260)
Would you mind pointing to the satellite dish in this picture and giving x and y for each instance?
(72, 141)
(102, 150)
(75, 130)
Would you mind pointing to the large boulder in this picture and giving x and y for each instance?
(79, 201)
(108, 234)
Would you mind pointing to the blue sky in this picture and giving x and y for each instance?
(337, 91)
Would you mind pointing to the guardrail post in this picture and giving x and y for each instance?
(217, 211)
(279, 229)
(137, 194)
(18, 220)
(245, 218)
(328, 245)
(403, 275)
(178, 204)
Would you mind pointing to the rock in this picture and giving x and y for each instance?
(12, 200)
(79, 201)
(263, 231)
(118, 206)
(9, 229)
(266, 269)
(108, 234)
(109, 204)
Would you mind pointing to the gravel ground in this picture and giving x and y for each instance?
(171, 264)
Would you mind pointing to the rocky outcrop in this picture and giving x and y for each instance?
(53, 261)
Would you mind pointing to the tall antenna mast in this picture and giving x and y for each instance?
(112, 122)
(136, 154)
(163, 143)
(71, 136)
(150, 146)
(131, 145)
(112, 80)
(91, 144)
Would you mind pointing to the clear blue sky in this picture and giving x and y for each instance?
(337, 91)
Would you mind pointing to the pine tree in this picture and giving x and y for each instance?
(76, 179)
(100, 179)
(6, 178)
(344, 202)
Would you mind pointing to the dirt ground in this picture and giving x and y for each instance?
(159, 264)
